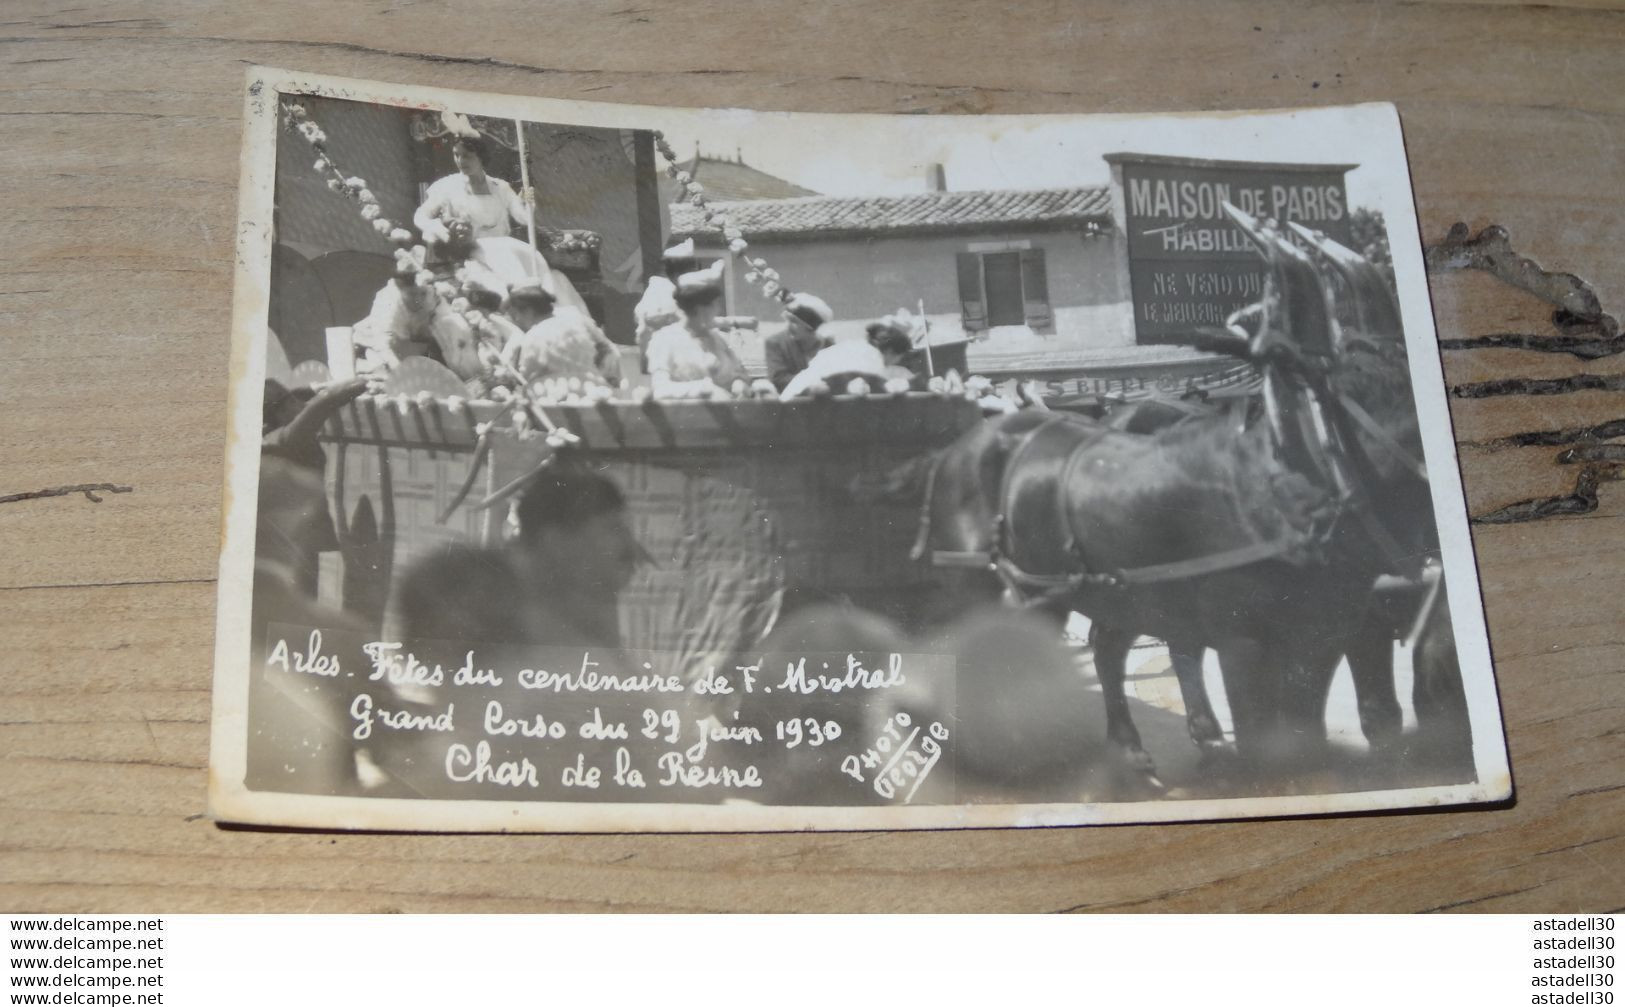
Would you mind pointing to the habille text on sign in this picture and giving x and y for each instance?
(1189, 264)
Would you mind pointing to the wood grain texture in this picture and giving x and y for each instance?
(122, 138)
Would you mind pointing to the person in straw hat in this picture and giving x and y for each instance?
(877, 362)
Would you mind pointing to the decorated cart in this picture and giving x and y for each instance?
(746, 508)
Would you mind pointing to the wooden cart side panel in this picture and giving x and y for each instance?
(746, 509)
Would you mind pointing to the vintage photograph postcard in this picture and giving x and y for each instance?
(614, 468)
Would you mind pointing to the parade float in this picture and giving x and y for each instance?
(746, 505)
(747, 509)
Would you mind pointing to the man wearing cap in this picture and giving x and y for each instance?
(789, 352)
(658, 306)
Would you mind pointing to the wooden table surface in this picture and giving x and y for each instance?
(116, 258)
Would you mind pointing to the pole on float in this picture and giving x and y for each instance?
(930, 365)
(524, 182)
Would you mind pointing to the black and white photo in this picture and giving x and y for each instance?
(649, 469)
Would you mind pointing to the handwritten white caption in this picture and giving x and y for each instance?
(702, 749)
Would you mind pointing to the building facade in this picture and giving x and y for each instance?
(1089, 290)
(1032, 280)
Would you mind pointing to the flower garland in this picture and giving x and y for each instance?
(575, 241)
(527, 419)
(407, 255)
(506, 386)
(759, 273)
(410, 257)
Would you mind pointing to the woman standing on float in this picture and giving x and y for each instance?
(487, 203)
(466, 218)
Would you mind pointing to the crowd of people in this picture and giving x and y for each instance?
(490, 308)
(687, 354)
(557, 583)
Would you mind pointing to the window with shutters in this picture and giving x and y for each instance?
(1004, 288)
(1001, 279)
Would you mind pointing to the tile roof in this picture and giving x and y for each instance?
(730, 180)
(921, 212)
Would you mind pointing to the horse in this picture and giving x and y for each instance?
(1259, 530)
(1409, 607)
(1368, 317)
(959, 532)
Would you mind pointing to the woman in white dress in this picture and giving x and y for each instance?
(500, 264)
(658, 306)
(689, 358)
(487, 203)
(556, 342)
(878, 360)
(409, 320)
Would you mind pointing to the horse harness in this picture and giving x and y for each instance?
(1057, 437)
